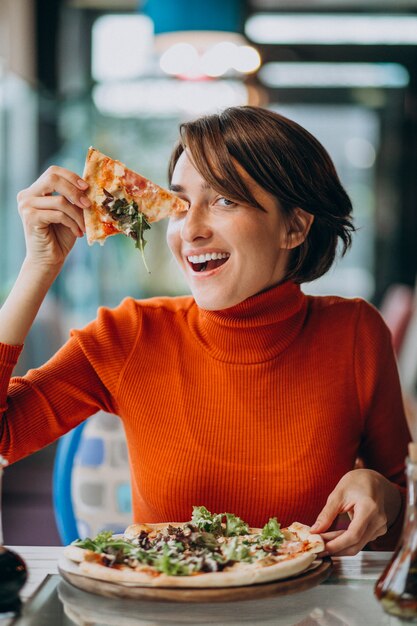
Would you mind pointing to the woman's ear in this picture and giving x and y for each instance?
(299, 225)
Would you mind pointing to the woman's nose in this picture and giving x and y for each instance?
(196, 224)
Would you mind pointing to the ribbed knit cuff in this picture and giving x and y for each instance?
(9, 354)
(8, 359)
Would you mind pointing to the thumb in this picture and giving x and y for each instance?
(326, 517)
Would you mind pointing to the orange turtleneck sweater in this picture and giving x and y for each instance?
(259, 409)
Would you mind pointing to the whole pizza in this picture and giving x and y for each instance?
(211, 550)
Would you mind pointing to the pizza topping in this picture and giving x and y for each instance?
(225, 524)
(272, 533)
(236, 551)
(109, 197)
(130, 220)
(204, 520)
(235, 526)
(210, 542)
(140, 226)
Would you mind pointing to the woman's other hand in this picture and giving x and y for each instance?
(51, 212)
(372, 503)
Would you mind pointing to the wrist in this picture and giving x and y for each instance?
(40, 272)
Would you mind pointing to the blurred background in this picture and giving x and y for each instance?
(121, 75)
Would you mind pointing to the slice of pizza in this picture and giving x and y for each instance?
(123, 201)
(212, 550)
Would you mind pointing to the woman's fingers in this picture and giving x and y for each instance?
(52, 216)
(328, 513)
(57, 217)
(370, 500)
(331, 535)
(58, 180)
(56, 190)
(354, 535)
(365, 526)
(348, 544)
(37, 209)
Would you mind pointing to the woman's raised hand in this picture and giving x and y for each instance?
(52, 216)
(372, 503)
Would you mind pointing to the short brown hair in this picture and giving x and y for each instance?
(285, 160)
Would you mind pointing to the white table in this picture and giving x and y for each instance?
(346, 599)
(40, 561)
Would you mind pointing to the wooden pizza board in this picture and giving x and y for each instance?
(313, 576)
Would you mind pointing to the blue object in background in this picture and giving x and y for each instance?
(91, 479)
(124, 498)
(61, 484)
(91, 452)
(169, 16)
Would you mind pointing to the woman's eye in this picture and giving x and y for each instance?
(224, 201)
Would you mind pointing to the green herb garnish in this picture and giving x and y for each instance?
(132, 222)
(235, 526)
(235, 551)
(103, 540)
(140, 226)
(170, 564)
(212, 522)
(272, 532)
(204, 520)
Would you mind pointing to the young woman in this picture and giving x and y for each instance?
(247, 396)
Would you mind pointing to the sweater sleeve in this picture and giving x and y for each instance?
(385, 430)
(80, 379)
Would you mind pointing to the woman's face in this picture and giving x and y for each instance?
(227, 251)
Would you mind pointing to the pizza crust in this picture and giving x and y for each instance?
(240, 574)
(73, 553)
(303, 533)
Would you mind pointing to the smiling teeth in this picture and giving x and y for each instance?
(212, 256)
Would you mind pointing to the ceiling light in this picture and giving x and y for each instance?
(334, 75)
(331, 29)
(185, 60)
(163, 97)
(247, 60)
(218, 59)
(360, 152)
(122, 46)
(180, 59)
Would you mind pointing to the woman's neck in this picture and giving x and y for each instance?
(255, 330)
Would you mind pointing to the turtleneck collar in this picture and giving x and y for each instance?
(255, 330)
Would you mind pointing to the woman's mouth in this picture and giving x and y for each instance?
(208, 261)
